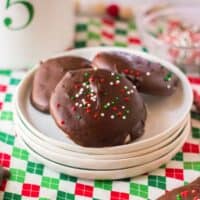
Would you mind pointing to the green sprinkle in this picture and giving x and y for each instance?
(78, 117)
(117, 77)
(117, 98)
(168, 76)
(72, 97)
(127, 111)
(178, 197)
(86, 74)
(112, 102)
(105, 106)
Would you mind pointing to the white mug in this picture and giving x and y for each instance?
(34, 29)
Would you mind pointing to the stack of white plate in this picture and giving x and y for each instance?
(166, 130)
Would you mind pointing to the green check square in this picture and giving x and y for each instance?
(157, 181)
(6, 115)
(132, 26)
(192, 165)
(35, 168)
(64, 196)
(95, 22)
(11, 196)
(81, 27)
(20, 153)
(51, 183)
(178, 156)
(8, 139)
(93, 36)
(8, 98)
(121, 31)
(144, 49)
(139, 190)
(196, 133)
(195, 115)
(17, 175)
(68, 178)
(5, 72)
(120, 44)
(79, 44)
(44, 198)
(105, 184)
(14, 81)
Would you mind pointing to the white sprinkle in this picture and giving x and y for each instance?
(80, 105)
(102, 114)
(112, 117)
(84, 84)
(88, 105)
(124, 117)
(168, 86)
(77, 95)
(123, 107)
(87, 86)
(95, 68)
(132, 91)
(112, 73)
(125, 87)
(76, 104)
(148, 73)
(111, 83)
(92, 90)
(134, 86)
(117, 81)
(108, 104)
(128, 93)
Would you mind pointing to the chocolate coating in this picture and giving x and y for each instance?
(97, 108)
(149, 77)
(188, 192)
(49, 74)
(4, 174)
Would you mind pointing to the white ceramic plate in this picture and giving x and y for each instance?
(110, 174)
(86, 163)
(170, 111)
(56, 149)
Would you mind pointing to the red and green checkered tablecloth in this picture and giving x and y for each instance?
(32, 180)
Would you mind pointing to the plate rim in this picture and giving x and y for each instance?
(119, 148)
(119, 174)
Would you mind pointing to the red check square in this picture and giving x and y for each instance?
(5, 160)
(30, 190)
(119, 196)
(84, 190)
(174, 173)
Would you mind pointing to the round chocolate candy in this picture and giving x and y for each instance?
(48, 74)
(98, 108)
(149, 77)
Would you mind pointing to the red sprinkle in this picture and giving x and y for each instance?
(58, 105)
(137, 73)
(77, 86)
(91, 79)
(122, 91)
(74, 108)
(102, 80)
(62, 122)
(119, 113)
(184, 193)
(126, 99)
(95, 115)
(126, 71)
(88, 110)
(114, 108)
